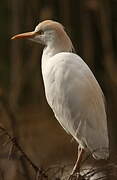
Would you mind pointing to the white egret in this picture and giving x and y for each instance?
(71, 90)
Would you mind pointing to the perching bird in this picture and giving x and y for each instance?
(71, 90)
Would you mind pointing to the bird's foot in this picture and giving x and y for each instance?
(75, 176)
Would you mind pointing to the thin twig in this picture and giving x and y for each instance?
(11, 115)
(39, 171)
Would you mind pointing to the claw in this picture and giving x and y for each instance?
(76, 176)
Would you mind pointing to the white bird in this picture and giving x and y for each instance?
(71, 90)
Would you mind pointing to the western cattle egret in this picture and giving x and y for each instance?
(71, 90)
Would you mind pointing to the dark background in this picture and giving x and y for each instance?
(92, 26)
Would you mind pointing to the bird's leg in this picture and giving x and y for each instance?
(79, 159)
(77, 164)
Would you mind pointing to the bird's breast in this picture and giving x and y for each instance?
(54, 76)
(54, 81)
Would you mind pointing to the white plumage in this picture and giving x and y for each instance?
(71, 89)
(77, 101)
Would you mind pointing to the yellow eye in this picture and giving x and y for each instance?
(40, 32)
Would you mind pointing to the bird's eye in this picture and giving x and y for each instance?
(40, 32)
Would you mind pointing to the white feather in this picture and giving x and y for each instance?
(77, 101)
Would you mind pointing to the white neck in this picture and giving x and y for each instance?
(49, 51)
(57, 45)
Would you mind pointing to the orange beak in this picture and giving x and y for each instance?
(24, 35)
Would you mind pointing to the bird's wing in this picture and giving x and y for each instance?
(84, 102)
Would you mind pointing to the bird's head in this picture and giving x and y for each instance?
(48, 32)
